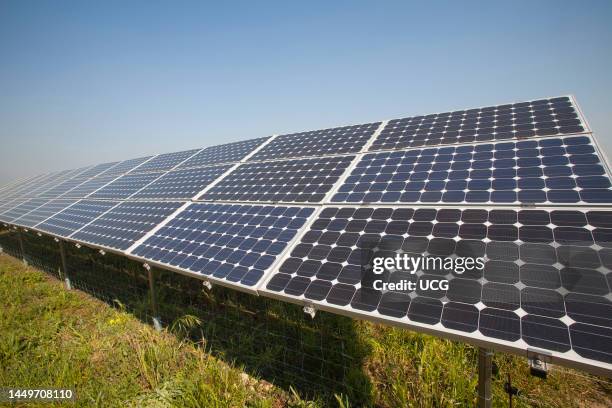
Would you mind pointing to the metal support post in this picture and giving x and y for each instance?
(64, 269)
(22, 247)
(153, 293)
(485, 364)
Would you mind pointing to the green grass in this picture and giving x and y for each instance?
(226, 349)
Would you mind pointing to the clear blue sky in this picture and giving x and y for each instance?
(85, 82)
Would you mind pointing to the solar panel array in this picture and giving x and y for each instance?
(300, 217)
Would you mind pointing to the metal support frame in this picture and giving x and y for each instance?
(485, 369)
(153, 294)
(22, 247)
(64, 269)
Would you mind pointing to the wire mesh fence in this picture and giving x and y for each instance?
(9, 241)
(270, 339)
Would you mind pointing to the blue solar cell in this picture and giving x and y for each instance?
(233, 243)
(125, 224)
(506, 172)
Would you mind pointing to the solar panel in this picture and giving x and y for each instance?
(44, 183)
(21, 209)
(166, 161)
(97, 170)
(226, 153)
(62, 188)
(89, 186)
(14, 183)
(43, 212)
(181, 184)
(14, 188)
(125, 186)
(230, 243)
(544, 117)
(75, 217)
(127, 165)
(519, 187)
(550, 170)
(50, 183)
(303, 180)
(125, 224)
(8, 203)
(346, 139)
(546, 279)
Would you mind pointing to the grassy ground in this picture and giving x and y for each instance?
(54, 338)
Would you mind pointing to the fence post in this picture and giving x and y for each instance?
(22, 247)
(64, 265)
(485, 367)
(153, 295)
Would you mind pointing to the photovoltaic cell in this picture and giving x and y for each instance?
(125, 186)
(550, 170)
(43, 212)
(166, 161)
(346, 139)
(300, 180)
(546, 278)
(22, 209)
(226, 153)
(231, 243)
(75, 217)
(181, 184)
(544, 117)
(125, 224)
